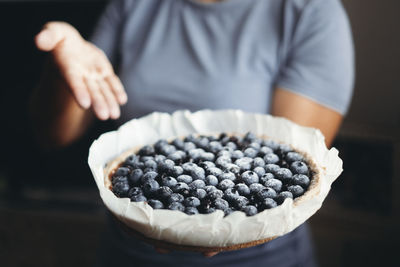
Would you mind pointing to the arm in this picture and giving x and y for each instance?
(78, 83)
(306, 112)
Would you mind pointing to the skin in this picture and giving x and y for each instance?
(79, 85)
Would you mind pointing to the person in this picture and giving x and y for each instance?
(289, 58)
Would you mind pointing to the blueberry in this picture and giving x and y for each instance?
(240, 202)
(266, 177)
(178, 143)
(231, 193)
(266, 193)
(159, 158)
(225, 184)
(264, 150)
(207, 156)
(188, 166)
(164, 192)
(237, 154)
(283, 174)
(228, 211)
(191, 202)
(244, 163)
(146, 158)
(272, 168)
(177, 156)
(121, 189)
(231, 145)
(258, 162)
(159, 144)
(198, 173)
(187, 146)
(197, 184)
(269, 203)
(254, 145)
(210, 188)
(282, 196)
(224, 153)
(293, 156)
(209, 210)
(274, 184)
(214, 147)
(299, 167)
(233, 168)
(242, 189)
(250, 152)
(176, 171)
(250, 210)
(284, 149)
(191, 211)
(301, 179)
(119, 179)
(214, 171)
(155, 204)
(132, 161)
(207, 164)
(222, 161)
(135, 191)
(211, 180)
(169, 181)
(176, 206)
(271, 144)
(220, 204)
(151, 164)
(227, 175)
(122, 171)
(271, 158)
(150, 187)
(296, 190)
(151, 175)
(138, 198)
(255, 188)
(260, 171)
(199, 193)
(146, 151)
(195, 154)
(202, 142)
(184, 178)
(190, 138)
(167, 149)
(249, 177)
(215, 194)
(175, 197)
(249, 137)
(181, 188)
(145, 170)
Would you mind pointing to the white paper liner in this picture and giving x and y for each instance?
(213, 230)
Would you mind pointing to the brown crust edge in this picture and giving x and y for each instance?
(172, 246)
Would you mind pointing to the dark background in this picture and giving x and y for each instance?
(50, 210)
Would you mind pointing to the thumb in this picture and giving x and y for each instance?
(52, 34)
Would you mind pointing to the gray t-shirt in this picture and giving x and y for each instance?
(182, 54)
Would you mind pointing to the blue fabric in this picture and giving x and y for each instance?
(182, 54)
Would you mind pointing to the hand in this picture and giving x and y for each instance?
(165, 251)
(85, 69)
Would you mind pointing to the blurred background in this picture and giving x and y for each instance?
(50, 210)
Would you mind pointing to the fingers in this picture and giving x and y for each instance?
(112, 104)
(80, 91)
(52, 34)
(209, 254)
(99, 104)
(117, 88)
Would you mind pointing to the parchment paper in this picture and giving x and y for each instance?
(213, 230)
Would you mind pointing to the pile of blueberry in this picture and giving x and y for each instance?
(201, 174)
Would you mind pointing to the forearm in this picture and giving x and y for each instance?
(306, 112)
(57, 118)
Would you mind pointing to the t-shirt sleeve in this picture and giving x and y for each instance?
(320, 58)
(108, 29)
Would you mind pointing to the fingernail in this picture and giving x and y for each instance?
(85, 103)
